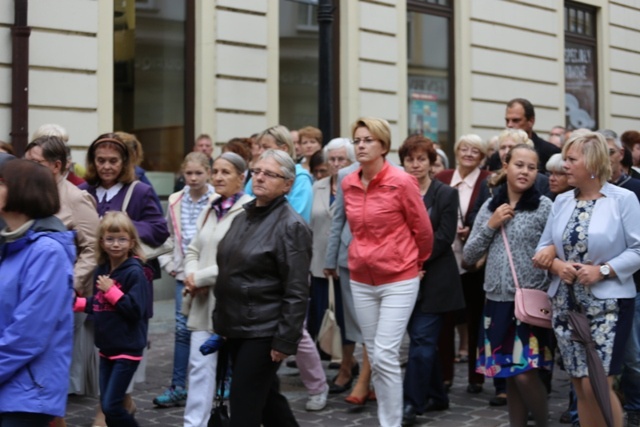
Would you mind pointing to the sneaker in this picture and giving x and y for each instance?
(317, 402)
(173, 396)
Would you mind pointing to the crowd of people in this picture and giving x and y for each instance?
(264, 238)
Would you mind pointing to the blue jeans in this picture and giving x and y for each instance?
(181, 343)
(423, 377)
(115, 376)
(630, 383)
(24, 419)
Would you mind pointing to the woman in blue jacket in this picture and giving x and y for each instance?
(36, 320)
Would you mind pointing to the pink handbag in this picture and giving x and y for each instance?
(532, 306)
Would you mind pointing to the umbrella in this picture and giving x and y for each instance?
(597, 377)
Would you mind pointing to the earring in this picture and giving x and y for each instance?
(593, 176)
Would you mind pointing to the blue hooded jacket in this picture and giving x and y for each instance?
(36, 319)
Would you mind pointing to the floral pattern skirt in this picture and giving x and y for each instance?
(610, 322)
(508, 347)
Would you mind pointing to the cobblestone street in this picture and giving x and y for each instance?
(466, 409)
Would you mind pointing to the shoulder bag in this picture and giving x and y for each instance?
(329, 338)
(150, 252)
(532, 306)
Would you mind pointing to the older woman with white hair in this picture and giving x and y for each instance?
(261, 293)
(558, 182)
(467, 177)
(338, 153)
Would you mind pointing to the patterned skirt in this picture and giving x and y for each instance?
(610, 321)
(508, 347)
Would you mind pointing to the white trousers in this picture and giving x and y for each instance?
(383, 314)
(202, 382)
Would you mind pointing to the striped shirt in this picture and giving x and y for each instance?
(189, 211)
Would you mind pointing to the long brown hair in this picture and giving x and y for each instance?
(111, 140)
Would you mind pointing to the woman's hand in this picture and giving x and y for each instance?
(191, 288)
(565, 270)
(104, 283)
(587, 274)
(544, 258)
(277, 357)
(463, 233)
(502, 214)
(330, 272)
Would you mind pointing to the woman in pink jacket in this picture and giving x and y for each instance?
(392, 238)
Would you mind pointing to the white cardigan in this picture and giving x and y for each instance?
(200, 260)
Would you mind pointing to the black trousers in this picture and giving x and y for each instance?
(255, 390)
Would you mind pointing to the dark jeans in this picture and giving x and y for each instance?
(255, 389)
(423, 377)
(24, 419)
(115, 376)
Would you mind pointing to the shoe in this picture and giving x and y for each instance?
(633, 419)
(355, 400)
(173, 396)
(291, 364)
(565, 418)
(500, 400)
(434, 406)
(409, 415)
(317, 402)
(333, 365)
(474, 388)
(336, 389)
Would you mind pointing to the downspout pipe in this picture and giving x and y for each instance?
(325, 71)
(20, 33)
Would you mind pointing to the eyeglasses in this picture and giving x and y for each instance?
(268, 174)
(111, 240)
(367, 141)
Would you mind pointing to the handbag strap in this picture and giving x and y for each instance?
(221, 372)
(506, 245)
(127, 197)
(332, 295)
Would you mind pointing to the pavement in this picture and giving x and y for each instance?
(465, 409)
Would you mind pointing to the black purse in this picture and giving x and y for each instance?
(219, 413)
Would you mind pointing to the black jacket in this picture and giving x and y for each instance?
(263, 278)
(121, 328)
(440, 288)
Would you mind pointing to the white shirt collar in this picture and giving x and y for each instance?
(110, 193)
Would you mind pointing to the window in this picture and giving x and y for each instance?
(580, 71)
(149, 78)
(430, 67)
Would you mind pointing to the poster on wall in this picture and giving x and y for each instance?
(580, 86)
(423, 110)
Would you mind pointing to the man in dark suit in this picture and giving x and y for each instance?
(520, 114)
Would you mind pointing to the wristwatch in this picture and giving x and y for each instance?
(605, 270)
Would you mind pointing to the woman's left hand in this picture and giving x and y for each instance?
(277, 356)
(104, 283)
(587, 274)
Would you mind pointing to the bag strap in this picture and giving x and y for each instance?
(221, 372)
(127, 197)
(332, 295)
(506, 245)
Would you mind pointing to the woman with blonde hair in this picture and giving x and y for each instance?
(591, 247)
(392, 238)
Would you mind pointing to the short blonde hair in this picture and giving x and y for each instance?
(474, 141)
(518, 136)
(115, 222)
(379, 129)
(595, 151)
(281, 135)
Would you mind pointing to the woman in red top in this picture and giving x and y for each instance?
(392, 238)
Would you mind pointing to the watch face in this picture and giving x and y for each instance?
(605, 270)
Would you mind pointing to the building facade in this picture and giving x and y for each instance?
(168, 70)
